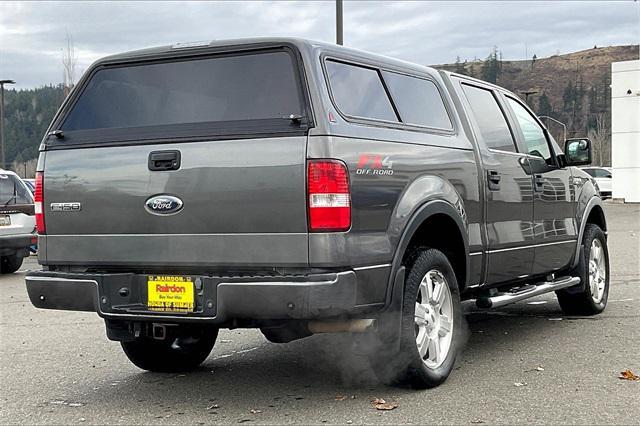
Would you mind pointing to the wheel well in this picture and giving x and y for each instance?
(441, 232)
(596, 216)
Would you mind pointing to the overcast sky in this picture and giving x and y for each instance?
(32, 34)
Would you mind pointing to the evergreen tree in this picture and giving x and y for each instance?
(27, 116)
(544, 106)
(491, 67)
(459, 66)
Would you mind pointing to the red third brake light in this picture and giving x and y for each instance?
(38, 199)
(329, 197)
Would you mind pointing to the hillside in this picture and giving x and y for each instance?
(573, 88)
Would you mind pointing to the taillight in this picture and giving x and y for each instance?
(329, 196)
(38, 198)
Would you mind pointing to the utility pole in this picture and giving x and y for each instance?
(339, 22)
(527, 93)
(2, 83)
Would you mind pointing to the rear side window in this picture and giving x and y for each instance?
(492, 122)
(359, 92)
(418, 101)
(13, 191)
(257, 86)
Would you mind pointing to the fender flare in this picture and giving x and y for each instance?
(423, 213)
(594, 201)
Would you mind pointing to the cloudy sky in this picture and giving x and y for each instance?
(32, 34)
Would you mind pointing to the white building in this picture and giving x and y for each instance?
(625, 130)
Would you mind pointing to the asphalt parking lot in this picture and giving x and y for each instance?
(525, 363)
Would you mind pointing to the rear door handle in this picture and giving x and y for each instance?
(164, 160)
(493, 177)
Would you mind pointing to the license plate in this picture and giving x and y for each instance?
(168, 293)
(5, 220)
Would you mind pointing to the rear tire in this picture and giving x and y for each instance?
(179, 353)
(431, 324)
(591, 297)
(10, 264)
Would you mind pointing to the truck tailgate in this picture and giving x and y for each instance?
(243, 204)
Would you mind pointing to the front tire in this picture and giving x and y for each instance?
(183, 351)
(431, 323)
(593, 269)
(10, 264)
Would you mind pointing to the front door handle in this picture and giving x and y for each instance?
(538, 183)
(164, 160)
(493, 178)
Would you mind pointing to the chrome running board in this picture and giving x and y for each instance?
(501, 299)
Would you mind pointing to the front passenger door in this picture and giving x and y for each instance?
(554, 226)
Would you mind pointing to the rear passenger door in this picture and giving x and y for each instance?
(553, 208)
(507, 187)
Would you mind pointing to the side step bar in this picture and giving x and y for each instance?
(506, 298)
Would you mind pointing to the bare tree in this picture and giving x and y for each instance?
(69, 63)
(601, 141)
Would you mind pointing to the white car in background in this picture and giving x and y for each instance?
(603, 177)
(17, 222)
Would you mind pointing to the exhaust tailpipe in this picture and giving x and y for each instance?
(349, 326)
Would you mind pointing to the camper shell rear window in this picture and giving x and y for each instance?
(224, 94)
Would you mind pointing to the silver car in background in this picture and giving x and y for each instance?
(17, 221)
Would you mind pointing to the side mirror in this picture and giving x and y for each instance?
(577, 152)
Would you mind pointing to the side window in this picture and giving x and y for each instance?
(492, 122)
(418, 101)
(359, 92)
(534, 136)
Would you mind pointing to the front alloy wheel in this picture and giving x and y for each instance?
(590, 296)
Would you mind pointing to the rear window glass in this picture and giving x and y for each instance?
(13, 191)
(417, 100)
(232, 88)
(359, 92)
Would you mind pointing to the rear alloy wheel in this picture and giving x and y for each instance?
(10, 264)
(431, 324)
(178, 353)
(590, 297)
(434, 319)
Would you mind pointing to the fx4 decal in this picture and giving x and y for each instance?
(374, 164)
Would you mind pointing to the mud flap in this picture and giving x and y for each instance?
(387, 336)
(579, 271)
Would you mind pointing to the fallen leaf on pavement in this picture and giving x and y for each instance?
(341, 397)
(628, 375)
(381, 404)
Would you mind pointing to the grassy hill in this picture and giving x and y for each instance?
(573, 88)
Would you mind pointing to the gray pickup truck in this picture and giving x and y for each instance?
(300, 188)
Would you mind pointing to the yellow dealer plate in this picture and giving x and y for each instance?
(169, 293)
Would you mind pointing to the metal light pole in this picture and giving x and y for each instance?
(2, 83)
(339, 22)
(526, 94)
(564, 127)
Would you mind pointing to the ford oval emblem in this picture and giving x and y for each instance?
(163, 204)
